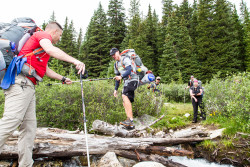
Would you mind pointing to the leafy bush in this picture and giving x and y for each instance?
(227, 102)
(61, 105)
(175, 92)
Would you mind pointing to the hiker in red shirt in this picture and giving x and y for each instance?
(20, 100)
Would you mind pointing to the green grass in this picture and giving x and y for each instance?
(208, 144)
(174, 116)
(232, 124)
(228, 143)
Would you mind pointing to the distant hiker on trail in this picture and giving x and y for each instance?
(155, 85)
(195, 93)
(20, 99)
(190, 82)
(123, 67)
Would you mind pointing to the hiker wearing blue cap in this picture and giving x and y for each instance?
(20, 99)
(155, 85)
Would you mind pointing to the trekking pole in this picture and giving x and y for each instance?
(84, 121)
(184, 95)
(86, 80)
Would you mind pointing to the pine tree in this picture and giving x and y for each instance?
(94, 49)
(167, 10)
(239, 35)
(52, 17)
(150, 58)
(245, 17)
(205, 43)
(247, 42)
(226, 40)
(116, 23)
(133, 25)
(194, 23)
(44, 25)
(79, 41)
(185, 50)
(185, 11)
(169, 62)
(68, 43)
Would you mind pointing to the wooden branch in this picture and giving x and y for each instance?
(144, 157)
(151, 123)
(166, 151)
(188, 133)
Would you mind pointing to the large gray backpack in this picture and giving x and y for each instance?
(137, 66)
(12, 38)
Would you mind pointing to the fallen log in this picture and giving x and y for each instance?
(120, 131)
(134, 155)
(52, 143)
(108, 129)
(152, 123)
(188, 133)
(166, 151)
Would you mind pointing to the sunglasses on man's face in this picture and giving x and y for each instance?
(158, 79)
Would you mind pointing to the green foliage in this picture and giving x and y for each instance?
(175, 116)
(116, 23)
(175, 92)
(228, 144)
(167, 10)
(61, 105)
(177, 54)
(227, 102)
(95, 51)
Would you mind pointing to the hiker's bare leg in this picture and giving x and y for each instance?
(128, 106)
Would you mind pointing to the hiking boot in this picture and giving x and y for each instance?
(194, 121)
(128, 124)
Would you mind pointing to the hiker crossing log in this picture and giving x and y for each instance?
(62, 143)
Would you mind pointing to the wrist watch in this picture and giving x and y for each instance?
(63, 80)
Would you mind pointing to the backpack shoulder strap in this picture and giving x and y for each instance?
(122, 59)
(35, 52)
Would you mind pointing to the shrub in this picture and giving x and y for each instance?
(61, 105)
(227, 102)
(175, 92)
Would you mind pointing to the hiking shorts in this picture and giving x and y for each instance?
(129, 90)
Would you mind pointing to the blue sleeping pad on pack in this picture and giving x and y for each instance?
(14, 69)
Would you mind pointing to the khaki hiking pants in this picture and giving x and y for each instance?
(19, 111)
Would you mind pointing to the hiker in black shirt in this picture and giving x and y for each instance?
(195, 93)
